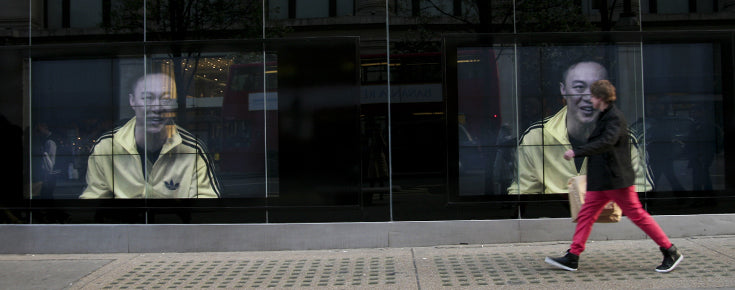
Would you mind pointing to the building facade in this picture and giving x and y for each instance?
(391, 115)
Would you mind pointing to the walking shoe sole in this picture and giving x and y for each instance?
(672, 266)
(551, 261)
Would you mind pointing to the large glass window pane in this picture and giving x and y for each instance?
(154, 128)
(486, 121)
(221, 115)
(370, 120)
(482, 112)
(559, 76)
(72, 105)
(318, 149)
(247, 141)
(418, 127)
(684, 117)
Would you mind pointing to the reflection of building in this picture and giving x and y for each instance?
(235, 110)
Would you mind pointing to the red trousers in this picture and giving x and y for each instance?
(627, 199)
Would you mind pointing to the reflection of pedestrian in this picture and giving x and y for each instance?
(377, 160)
(504, 163)
(611, 178)
(45, 171)
(703, 143)
(662, 145)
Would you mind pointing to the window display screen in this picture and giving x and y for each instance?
(160, 128)
(519, 108)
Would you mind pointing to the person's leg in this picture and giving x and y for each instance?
(627, 199)
(594, 202)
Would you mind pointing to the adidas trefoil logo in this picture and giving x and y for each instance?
(171, 185)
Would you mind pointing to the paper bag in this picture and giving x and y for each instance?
(577, 189)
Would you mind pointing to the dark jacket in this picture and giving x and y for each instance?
(608, 148)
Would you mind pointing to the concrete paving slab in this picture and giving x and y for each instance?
(45, 274)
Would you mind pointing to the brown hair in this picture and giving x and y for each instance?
(604, 90)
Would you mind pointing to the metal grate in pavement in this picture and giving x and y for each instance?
(492, 269)
(256, 273)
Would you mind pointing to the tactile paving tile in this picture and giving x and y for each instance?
(497, 267)
(291, 273)
(338, 271)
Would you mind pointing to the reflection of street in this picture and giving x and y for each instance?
(473, 183)
(683, 173)
(68, 189)
(679, 172)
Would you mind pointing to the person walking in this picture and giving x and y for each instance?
(610, 176)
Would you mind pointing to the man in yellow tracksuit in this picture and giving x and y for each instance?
(150, 156)
(540, 170)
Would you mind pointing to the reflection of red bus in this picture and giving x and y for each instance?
(478, 96)
(250, 119)
(478, 105)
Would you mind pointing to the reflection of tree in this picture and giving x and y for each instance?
(181, 20)
(551, 16)
(188, 19)
(482, 16)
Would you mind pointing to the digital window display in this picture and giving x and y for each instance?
(539, 106)
(540, 170)
(163, 128)
(553, 113)
(150, 156)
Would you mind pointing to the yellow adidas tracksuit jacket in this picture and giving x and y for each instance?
(182, 170)
(542, 168)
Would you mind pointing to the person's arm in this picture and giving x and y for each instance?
(639, 160)
(530, 157)
(207, 184)
(51, 150)
(610, 135)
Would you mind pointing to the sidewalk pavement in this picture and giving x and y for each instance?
(709, 262)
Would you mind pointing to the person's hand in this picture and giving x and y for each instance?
(569, 154)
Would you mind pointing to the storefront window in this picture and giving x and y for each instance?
(343, 111)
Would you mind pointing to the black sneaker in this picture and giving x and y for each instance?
(567, 262)
(672, 257)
